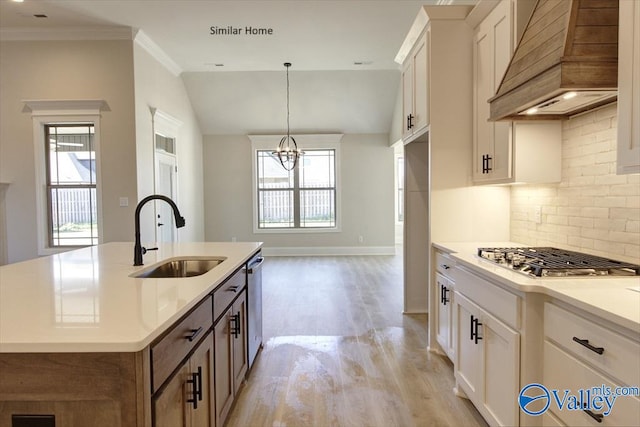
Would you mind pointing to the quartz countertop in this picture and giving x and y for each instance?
(616, 299)
(86, 301)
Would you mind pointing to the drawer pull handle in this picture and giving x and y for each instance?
(597, 417)
(232, 289)
(194, 334)
(585, 343)
(445, 266)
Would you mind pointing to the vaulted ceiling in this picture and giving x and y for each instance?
(343, 77)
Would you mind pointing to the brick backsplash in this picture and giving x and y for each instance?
(592, 210)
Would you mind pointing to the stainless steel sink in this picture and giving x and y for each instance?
(180, 267)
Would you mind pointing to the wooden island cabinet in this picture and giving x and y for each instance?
(175, 380)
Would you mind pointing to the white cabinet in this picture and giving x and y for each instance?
(506, 152)
(415, 87)
(629, 88)
(443, 303)
(581, 354)
(487, 347)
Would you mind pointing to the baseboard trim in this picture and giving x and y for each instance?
(329, 251)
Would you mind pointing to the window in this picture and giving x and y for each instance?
(66, 137)
(71, 184)
(304, 199)
(400, 188)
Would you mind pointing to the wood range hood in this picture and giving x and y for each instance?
(566, 62)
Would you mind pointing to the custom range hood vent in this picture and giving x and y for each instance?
(566, 62)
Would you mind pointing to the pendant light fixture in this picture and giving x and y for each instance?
(288, 152)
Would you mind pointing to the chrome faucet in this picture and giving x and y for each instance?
(138, 250)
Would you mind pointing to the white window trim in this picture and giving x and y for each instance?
(309, 142)
(45, 112)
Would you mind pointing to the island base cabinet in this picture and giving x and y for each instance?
(75, 389)
(188, 399)
(487, 362)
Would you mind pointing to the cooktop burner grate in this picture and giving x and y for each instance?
(549, 261)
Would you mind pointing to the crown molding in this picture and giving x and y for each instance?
(154, 50)
(40, 107)
(66, 33)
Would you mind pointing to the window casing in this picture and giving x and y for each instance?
(306, 199)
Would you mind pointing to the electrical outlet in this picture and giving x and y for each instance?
(537, 214)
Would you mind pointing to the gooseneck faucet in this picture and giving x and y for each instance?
(138, 250)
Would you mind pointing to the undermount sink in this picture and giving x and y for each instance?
(180, 267)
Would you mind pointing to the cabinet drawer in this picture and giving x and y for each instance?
(563, 372)
(171, 349)
(444, 263)
(620, 356)
(502, 304)
(225, 294)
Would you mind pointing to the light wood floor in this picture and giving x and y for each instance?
(339, 352)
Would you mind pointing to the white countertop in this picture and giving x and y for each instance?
(615, 299)
(85, 301)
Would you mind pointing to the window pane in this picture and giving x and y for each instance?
(275, 209)
(73, 216)
(71, 176)
(317, 208)
(271, 174)
(318, 169)
(72, 159)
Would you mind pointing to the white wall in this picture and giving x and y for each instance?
(367, 196)
(66, 70)
(157, 87)
(592, 209)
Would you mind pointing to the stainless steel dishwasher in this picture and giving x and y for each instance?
(254, 302)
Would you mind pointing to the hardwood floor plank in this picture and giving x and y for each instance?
(339, 352)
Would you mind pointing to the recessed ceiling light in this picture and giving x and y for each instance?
(569, 95)
(533, 110)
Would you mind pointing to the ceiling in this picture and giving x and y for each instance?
(322, 38)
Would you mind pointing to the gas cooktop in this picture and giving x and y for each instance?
(554, 262)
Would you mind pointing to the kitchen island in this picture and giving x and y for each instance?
(506, 331)
(78, 331)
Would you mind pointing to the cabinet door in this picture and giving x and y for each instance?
(201, 364)
(223, 356)
(501, 370)
(407, 97)
(468, 353)
(240, 353)
(420, 56)
(170, 407)
(629, 88)
(443, 306)
(491, 53)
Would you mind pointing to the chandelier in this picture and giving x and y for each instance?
(288, 152)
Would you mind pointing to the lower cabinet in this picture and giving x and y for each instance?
(231, 357)
(187, 399)
(487, 362)
(444, 318)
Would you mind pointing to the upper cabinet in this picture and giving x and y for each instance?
(506, 152)
(415, 88)
(629, 88)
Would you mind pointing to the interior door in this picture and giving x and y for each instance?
(166, 185)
